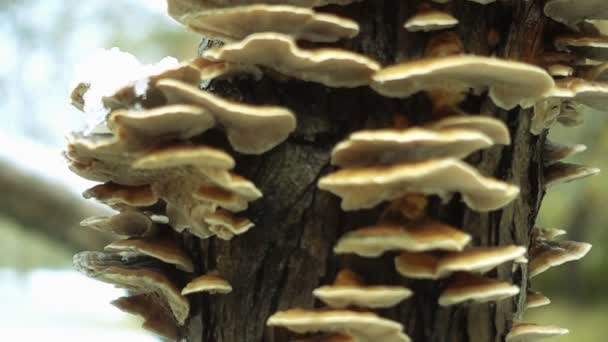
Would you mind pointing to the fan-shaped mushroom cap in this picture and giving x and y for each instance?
(157, 319)
(363, 326)
(367, 187)
(429, 19)
(236, 184)
(510, 83)
(116, 195)
(560, 70)
(571, 12)
(331, 67)
(529, 332)
(465, 287)
(390, 146)
(431, 266)
(550, 254)
(553, 152)
(211, 283)
(179, 156)
(166, 122)
(374, 240)
(590, 47)
(126, 223)
(236, 23)
(221, 197)
(591, 94)
(225, 225)
(166, 250)
(250, 129)
(140, 279)
(535, 300)
(489, 126)
(546, 233)
(350, 290)
(559, 172)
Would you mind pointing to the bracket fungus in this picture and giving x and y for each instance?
(362, 326)
(465, 287)
(528, 332)
(373, 241)
(535, 300)
(350, 290)
(428, 19)
(510, 83)
(560, 172)
(166, 250)
(331, 67)
(368, 186)
(548, 254)
(235, 23)
(428, 265)
(156, 318)
(211, 283)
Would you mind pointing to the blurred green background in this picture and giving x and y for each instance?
(42, 42)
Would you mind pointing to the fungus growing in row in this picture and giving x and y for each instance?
(128, 223)
(527, 332)
(235, 23)
(368, 186)
(433, 266)
(389, 146)
(548, 254)
(210, 283)
(535, 300)
(464, 287)
(362, 326)
(157, 319)
(493, 128)
(331, 67)
(553, 152)
(510, 83)
(559, 172)
(428, 19)
(242, 123)
(166, 250)
(373, 241)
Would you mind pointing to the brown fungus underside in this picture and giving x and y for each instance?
(192, 156)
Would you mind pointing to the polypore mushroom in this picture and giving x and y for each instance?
(428, 19)
(362, 326)
(572, 12)
(590, 47)
(368, 186)
(116, 195)
(560, 70)
(236, 23)
(432, 266)
(166, 122)
(179, 156)
(157, 318)
(463, 287)
(546, 233)
(559, 172)
(110, 269)
(547, 254)
(553, 152)
(374, 240)
(225, 225)
(224, 198)
(127, 223)
(391, 146)
(535, 300)
(210, 283)
(243, 123)
(510, 83)
(350, 290)
(164, 249)
(528, 332)
(489, 126)
(331, 67)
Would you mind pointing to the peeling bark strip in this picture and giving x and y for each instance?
(240, 183)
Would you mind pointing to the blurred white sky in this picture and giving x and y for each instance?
(41, 42)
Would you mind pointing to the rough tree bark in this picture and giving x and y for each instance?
(277, 264)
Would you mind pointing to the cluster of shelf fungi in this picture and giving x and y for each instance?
(164, 177)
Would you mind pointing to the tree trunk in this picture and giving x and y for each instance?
(278, 264)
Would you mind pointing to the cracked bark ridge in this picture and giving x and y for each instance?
(277, 265)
